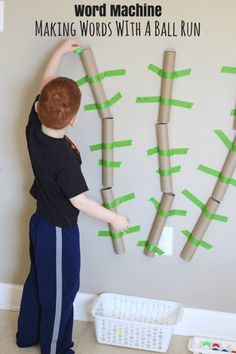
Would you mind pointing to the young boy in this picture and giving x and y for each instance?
(46, 311)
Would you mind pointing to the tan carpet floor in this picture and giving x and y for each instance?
(84, 338)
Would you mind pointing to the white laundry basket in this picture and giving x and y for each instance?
(135, 322)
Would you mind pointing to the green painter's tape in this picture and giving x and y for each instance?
(120, 233)
(233, 112)
(79, 50)
(165, 101)
(164, 213)
(228, 69)
(120, 200)
(195, 242)
(108, 103)
(168, 172)
(218, 174)
(111, 146)
(170, 152)
(150, 247)
(202, 206)
(170, 75)
(107, 163)
(100, 77)
(225, 140)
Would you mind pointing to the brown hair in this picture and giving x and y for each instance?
(59, 102)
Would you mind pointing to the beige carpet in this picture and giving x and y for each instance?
(84, 338)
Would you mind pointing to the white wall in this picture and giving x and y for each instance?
(208, 280)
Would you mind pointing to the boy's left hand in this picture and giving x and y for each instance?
(69, 46)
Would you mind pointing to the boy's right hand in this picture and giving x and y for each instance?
(120, 222)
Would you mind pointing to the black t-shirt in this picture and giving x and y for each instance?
(56, 164)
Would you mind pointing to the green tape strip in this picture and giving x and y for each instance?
(195, 242)
(228, 69)
(233, 112)
(120, 233)
(150, 247)
(106, 104)
(165, 101)
(115, 144)
(202, 206)
(164, 213)
(170, 152)
(79, 50)
(120, 200)
(218, 174)
(168, 172)
(228, 143)
(107, 163)
(168, 75)
(100, 77)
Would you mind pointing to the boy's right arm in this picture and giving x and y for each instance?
(96, 210)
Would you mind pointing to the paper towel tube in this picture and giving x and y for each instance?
(227, 171)
(159, 222)
(234, 125)
(91, 70)
(118, 243)
(107, 154)
(166, 86)
(164, 161)
(199, 230)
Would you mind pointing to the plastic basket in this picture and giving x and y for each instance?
(135, 322)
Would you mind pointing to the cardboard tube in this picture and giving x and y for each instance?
(164, 161)
(166, 86)
(107, 155)
(159, 223)
(118, 243)
(91, 69)
(227, 171)
(234, 125)
(199, 230)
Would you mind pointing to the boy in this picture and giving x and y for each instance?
(46, 311)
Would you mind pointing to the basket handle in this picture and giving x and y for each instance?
(181, 315)
(94, 305)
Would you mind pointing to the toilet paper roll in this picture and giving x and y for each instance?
(166, 86)
(159, 223)
(91, 70)
(118, 243)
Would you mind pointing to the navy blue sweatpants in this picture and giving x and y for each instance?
(46, 310)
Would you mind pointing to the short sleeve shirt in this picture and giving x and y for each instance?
(56, 164)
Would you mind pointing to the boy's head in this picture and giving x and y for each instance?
(58, 103)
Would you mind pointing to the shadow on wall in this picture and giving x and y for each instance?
(28, 205)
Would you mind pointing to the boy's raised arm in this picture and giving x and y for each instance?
(50, 72)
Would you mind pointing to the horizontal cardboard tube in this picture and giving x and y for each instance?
(159, 222)
(199, 230)
(91, 70)
(227, 171)
(164, 160)
(107, 155)
(118, 243)
(166, 86)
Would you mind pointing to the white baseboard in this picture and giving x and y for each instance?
(195, 322)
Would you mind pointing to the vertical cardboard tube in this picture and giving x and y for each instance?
(234, 125)
(107, 154)
(166, 86)
(227, 171)
(91, 70)
(159, 222)
(164, 161)
(118, 243)
(199, 230)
